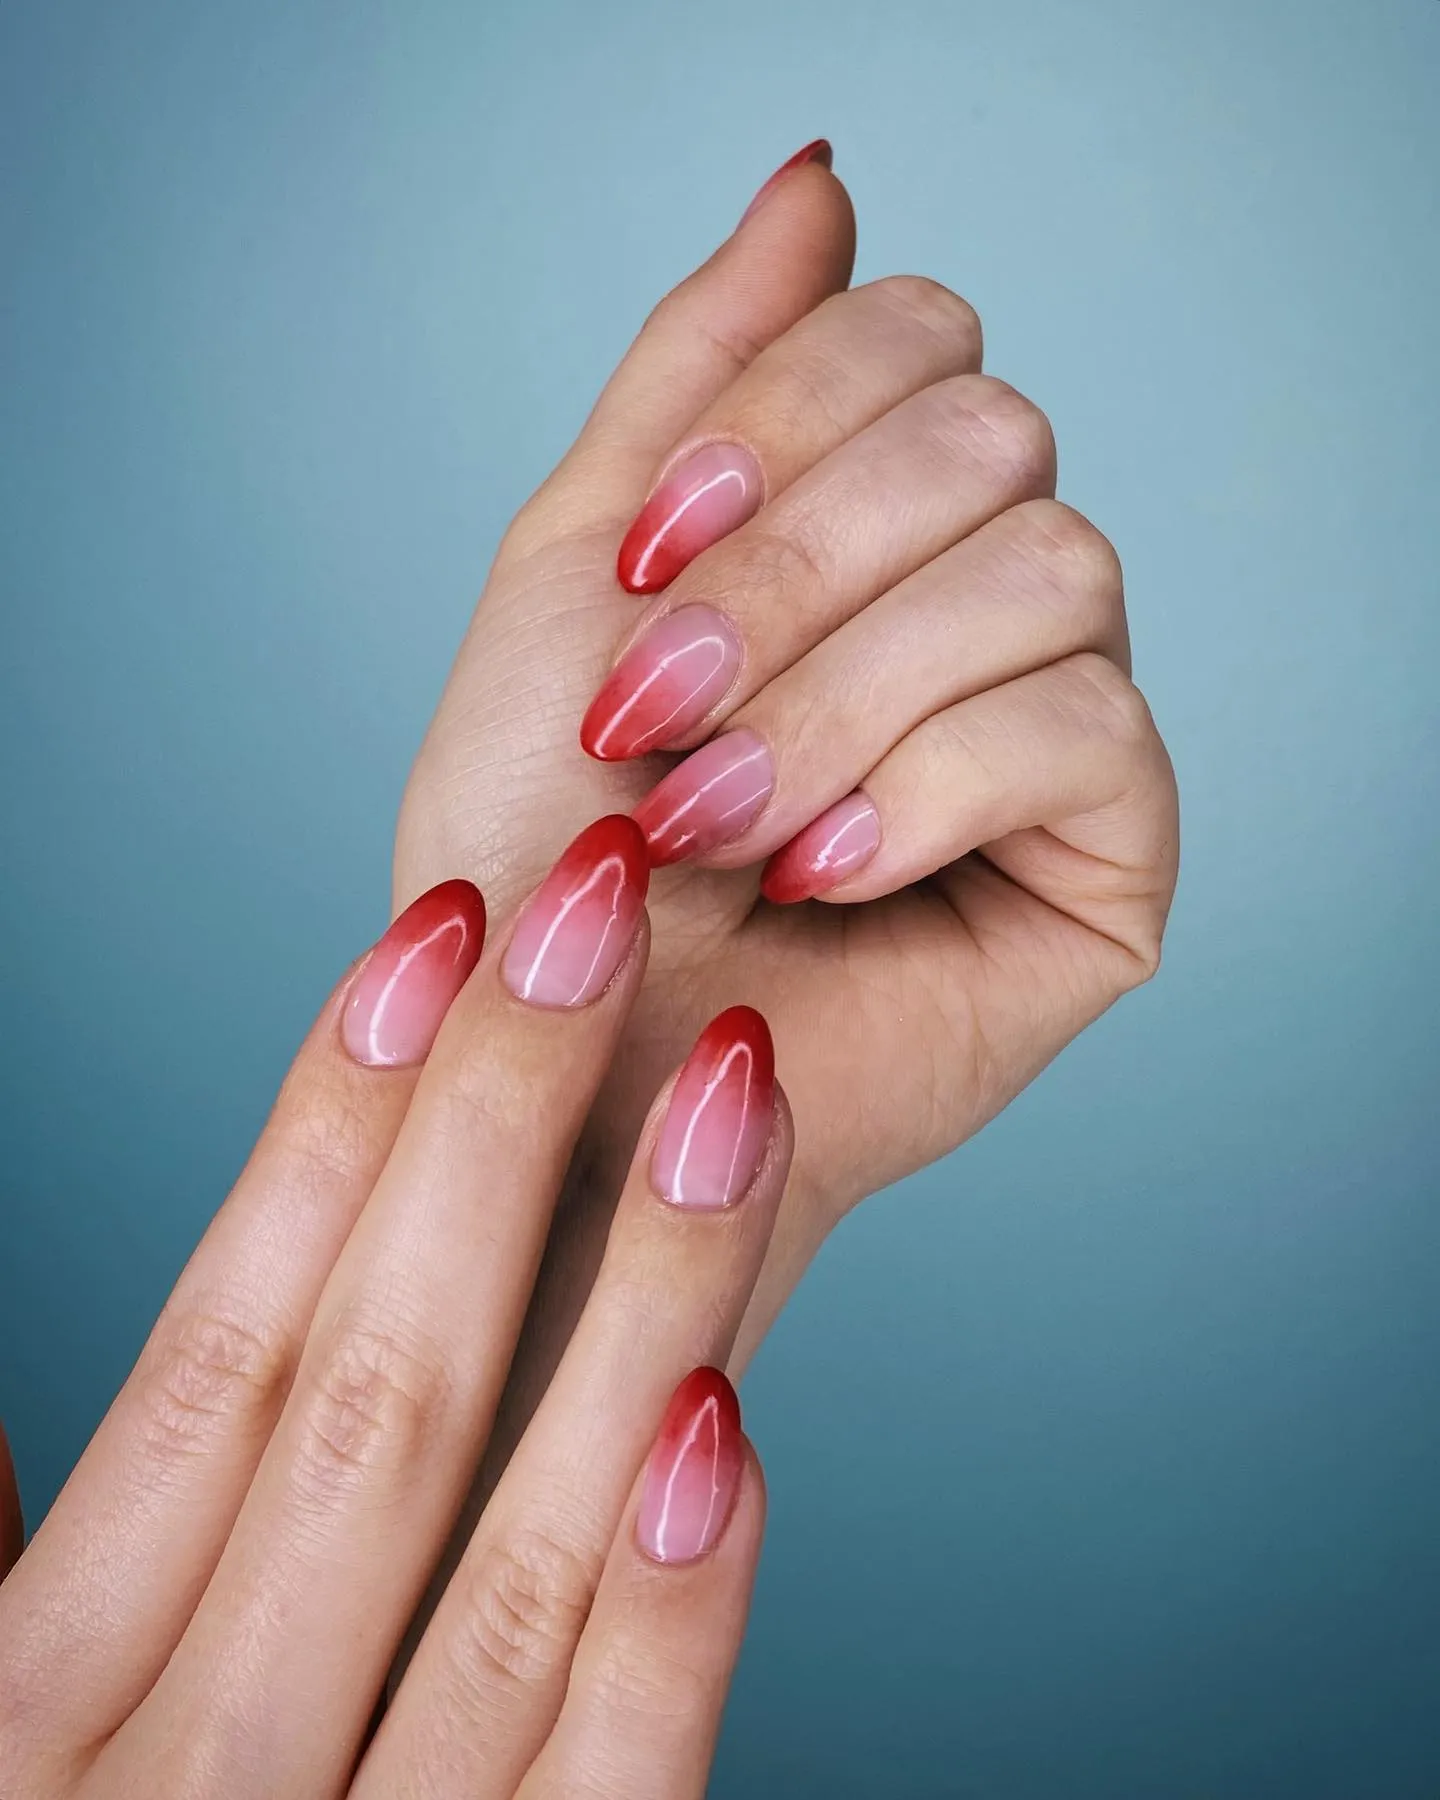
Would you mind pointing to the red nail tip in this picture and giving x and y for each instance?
(720, 1116)
(410, 978)
(577, 929)
(664, 684)
(819, 151)
(829, 850)
(706, 496)
(694, 1471)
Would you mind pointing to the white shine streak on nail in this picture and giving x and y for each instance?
(834, 853)
(614, 867)
(678, 512)
(747, 799)
(397, 974)
(708, 1413)
(712, 1087)
(661, 669)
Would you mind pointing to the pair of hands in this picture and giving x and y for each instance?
(901, 670)
(907, 615)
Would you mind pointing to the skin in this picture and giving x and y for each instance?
(213, 1602)
(917, 616)
(909, 548)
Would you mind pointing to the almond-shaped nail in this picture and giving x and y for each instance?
(705, 497)
(664, 683)
(720, 1115)
(410, 978)
(711, 797)
(578, 927)
(694, 1471)
(817, 152)
(831, 848)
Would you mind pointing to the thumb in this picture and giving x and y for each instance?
(784, 257)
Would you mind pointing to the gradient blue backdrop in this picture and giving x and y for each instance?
(1106, 1456)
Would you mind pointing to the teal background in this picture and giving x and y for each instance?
(1105, 1458)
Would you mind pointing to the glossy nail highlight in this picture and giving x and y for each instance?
(409, 979)
(703, 499)
(694, 1471)
(578, 927)
(832, 847)
(721, 1110)
(708, 799)
(817, 152)
(664, 684)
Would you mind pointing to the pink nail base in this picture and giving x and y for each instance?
(694, 1471)
(828, 851)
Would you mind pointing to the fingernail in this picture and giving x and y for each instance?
(708, 799)
(703, 498)
(694, 1471)
(663, 685)
(578, 928)
(818, 152)
(830, 848)
(720, 1114)
(409, 979)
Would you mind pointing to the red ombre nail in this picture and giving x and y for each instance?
(818, 152)
(703, 499)
(409, 979)
(720, 1114)
(694, 1471)
(708, 799)
(578, 927)
(832, 847)
(662, 685)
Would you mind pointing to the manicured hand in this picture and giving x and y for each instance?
(213, 1604)
(896, 672)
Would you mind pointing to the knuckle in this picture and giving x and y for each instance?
(372, 1406)
(1076, 563)
(932, 305)
(206, 1374)
(1000, 428)
(805, 388)
(685, 312)
(1068, 539)
(1147, 954)
(633, 1677)
(525, 1605)
(1111, 701)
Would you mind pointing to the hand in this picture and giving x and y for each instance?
(870, 592)
(215, 1599)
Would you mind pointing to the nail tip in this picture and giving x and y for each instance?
(778, 891)
(629, 571)
(599, 741)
